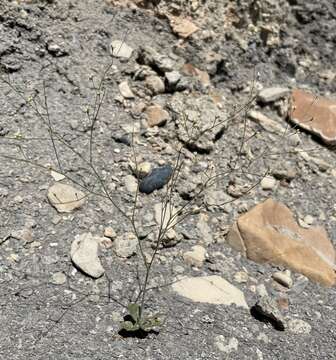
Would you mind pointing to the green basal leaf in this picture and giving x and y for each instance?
(129, 326)
(151, 323)
(134, 312)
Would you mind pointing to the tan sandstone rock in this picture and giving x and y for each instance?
(314, 114)
(269, 233)
(65, 198)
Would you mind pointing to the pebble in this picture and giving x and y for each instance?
(130, 183)
(58, 278)
(120, 49)
(156, 115)
(268, 183)
(308, 219)
(126, 245)
(241, 277)
(195, 257)
(297, 326)
(272, 94)
(142, 169)
(155, 84)
(109, 232)
(125, 90)
(84, 254)
(283, 278)
(65, 198)
(156, 179)
(173, 77)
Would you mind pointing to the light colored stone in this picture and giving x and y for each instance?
(283, 278)
(65, 198)
(309, 220)
(126, 245)
(298, 326)
(156, 116)
(56, 175)
(272, 94)
(120, 49)
(268, 183)
(226, 346)
(241, 277)
(269, 233)
(261, 290)
(84, 254)
(58, 278)
(266, 123)
(172, 77)
(182, 27)
(210, 289)
(204, 229)
(314, 114)
(130, 183)
(155, 84)
(165, 215)
(195, 257)
(110, 233)
(267, 307)
(125, 90)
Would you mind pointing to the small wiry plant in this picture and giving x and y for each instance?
(240, 164)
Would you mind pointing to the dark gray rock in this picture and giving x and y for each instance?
(157, 179)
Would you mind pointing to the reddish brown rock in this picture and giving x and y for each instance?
(191, 70)
(314, 114)
(269, 233)
(156, 116)
(182, 27)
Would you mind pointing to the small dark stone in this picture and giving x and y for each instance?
(156, 179)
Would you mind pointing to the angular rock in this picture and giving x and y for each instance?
(56, 175)
(314, 114)
(182, 27)
(155, 84)
(210, 289)
(268, 183)
(195, 257)
(198, 120)
(149, 56)
(173, 77)
(109, 232)
(120, 49)
(191, 70)
(126, 245)
(272, 94)
(266, 123)
(266, 307)
(130, 183)
(65, 198)
(283, 278)
(269, 233)
(156, 116)
(157, 179)
(84, 254)
(125, 90)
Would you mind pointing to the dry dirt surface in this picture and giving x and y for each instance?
(52, 55)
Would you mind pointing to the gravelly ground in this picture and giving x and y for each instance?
(36, 319)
